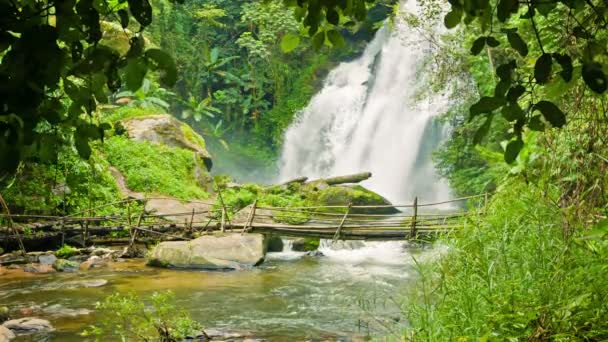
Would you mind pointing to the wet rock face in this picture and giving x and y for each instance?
(28, 325)
(227, 251)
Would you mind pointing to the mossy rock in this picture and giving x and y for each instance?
(306, 244)
(275, 243)
(166, 130)
(63, 265)
(340, 195)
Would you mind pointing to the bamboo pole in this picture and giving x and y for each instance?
(11, 227)
(413, 229)
(250, 218)
(337, 235)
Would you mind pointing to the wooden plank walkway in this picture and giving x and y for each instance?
(345, 222)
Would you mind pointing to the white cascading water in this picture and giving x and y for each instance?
(366, 119)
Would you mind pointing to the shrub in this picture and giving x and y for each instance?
(131, 319)
(66, 251)
(511, 275)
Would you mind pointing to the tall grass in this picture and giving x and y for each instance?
(510, 276)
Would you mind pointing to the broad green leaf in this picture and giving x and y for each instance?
(512, 150)
(565, 62)
(517, 43)
(318, 40)
(486, 105)
(82, 145)
(594, 77)
(512, 112)
(452, 19)
(141, 10)
(483, 130)
(123, 14)
(536, 124)
(478, 45)
(290, 42)
(135, 71)
(551, 113)
(332, 16)
(501, 88)
(542, 68)
(505, 8)
(515, 93)
(492, 42)
(335, 38)
(160, 60)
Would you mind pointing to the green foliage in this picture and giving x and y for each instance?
(550, 51)
(66, 251)
(155, 169)
(510, 275)
(131, 319)
(54, 73)
(69, 185)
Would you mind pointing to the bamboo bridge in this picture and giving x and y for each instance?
(129, 221)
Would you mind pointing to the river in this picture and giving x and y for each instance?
(346, 295)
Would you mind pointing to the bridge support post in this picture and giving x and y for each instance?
(413, 231)
(337, 235)
(249, 224)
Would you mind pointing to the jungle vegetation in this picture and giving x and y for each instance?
(527, 80)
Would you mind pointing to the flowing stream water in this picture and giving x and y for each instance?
(364, 119)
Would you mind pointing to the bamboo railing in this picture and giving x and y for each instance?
(336, 222)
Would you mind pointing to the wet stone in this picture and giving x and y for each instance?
(63, 265)
(6, 334)
(47, 259)
(38, 268)
(28, 325)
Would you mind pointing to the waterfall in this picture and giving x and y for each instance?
(366, 119)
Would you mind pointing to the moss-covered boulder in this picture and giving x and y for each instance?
(322, 194)
(166, 130)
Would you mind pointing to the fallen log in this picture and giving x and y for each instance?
(354, 178)
(295, 180)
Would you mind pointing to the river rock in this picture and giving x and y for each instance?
(93, 262)
(226, 251)
(315, 254)
(63, 265)
(275, 243)
(47, 259)
(28, 325)
(305, 244)
(38, 268)
(6, 334)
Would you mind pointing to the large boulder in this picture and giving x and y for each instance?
(323, 194)
(225, 251)
(166, 130)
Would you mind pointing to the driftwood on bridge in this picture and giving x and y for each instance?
(346, 179)
(328, 222)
